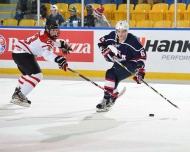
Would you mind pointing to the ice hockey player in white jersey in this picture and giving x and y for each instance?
(39, 45)
(128, 50)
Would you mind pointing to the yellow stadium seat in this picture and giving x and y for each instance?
(144, 23)
(186, 13)
(108, 10)
(144, 6)
(10, 22)
(158, 12)
(62, 8)
(112, 22)
(140, 12)
(162, 24)
(26, 22)
(66, 14)
(121, 12)
(181, 23)
(132, 23)
(170, 13)
(48, 5)
(41, 23)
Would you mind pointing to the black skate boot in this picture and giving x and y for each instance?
(102, 106)
(20, 99)
(111, 102)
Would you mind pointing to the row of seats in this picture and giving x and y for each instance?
(23, 22)
(157, 24)
(7, 11)
(101, 2)
(63, 8)
(139, 24)
(160, 11)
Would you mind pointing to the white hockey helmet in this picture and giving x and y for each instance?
(122, 25)
(53, 7)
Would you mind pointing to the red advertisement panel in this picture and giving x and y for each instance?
(82, 43)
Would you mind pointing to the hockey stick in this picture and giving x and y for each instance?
(114, 95)
(115, 59)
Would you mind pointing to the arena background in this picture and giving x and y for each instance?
(167, 51)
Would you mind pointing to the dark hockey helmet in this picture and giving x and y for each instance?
(52, 24)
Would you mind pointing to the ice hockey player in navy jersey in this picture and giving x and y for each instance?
(40, 44)
(127, 49)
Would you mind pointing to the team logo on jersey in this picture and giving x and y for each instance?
(2, 44)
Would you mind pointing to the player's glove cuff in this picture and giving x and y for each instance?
(65, 47)
(139, 75)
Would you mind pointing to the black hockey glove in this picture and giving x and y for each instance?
(139, 75)
(62, 62)
(108, 54)
(65, 47)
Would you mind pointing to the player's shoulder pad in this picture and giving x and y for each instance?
(130, 35)
(112, 33)
(44, 37)
(132, 38)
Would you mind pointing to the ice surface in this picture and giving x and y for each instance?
(63, 118)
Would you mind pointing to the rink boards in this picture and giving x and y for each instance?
(168, 52)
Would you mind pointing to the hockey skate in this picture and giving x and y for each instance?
(111, 102)
(106, 104)
(19, 98)
(102, 107)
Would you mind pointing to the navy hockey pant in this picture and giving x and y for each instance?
(116, 74)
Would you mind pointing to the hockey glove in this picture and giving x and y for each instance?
(65, 47)
(108, 54)
(62, 62)
(139, 75)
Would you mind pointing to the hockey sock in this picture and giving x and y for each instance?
(30, 82)
(109, 82)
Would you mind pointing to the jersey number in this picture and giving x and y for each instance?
(31, 39)
(142, 53)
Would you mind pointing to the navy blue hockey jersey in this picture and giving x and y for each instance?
(129, 50)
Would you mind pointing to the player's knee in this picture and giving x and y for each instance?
(39, 76)
(109, 73)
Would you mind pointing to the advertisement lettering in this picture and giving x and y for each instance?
(168, 46)
(82, 43)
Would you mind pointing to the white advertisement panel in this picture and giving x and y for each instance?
(167, 50)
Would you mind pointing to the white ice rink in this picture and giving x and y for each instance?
(63, 118)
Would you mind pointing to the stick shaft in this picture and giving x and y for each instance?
(114, 95)
(146, 84)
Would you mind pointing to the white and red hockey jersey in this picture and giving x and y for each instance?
(39, 45)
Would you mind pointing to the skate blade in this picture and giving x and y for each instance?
(19, 103)
(102, 110)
